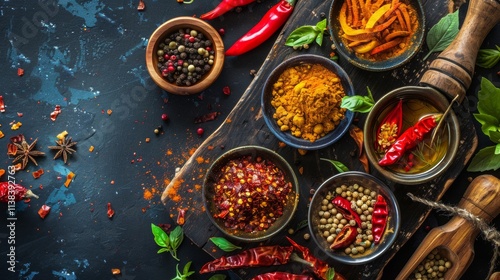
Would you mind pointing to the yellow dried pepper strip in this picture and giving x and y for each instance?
(367, 47)
(348, 30)
(377, 15)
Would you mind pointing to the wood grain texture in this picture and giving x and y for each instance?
(245, 126)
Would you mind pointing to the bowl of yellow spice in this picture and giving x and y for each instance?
(301, 102)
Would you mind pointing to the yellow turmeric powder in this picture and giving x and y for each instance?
(307, 100)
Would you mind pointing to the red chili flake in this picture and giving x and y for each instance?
(38, 173)
(19, 114)
(20, 72)
(116, 271)
(200, 131)
(2, 104)
(17, 138)
(226, 90)
(44, 211)
(180, 216)
(141, 6)
(111, 212)
(55, 113)
(11, 149)
(207, 117)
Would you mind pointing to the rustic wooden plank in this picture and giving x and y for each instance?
(245, 126)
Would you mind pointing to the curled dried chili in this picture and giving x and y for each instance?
(281, 276)
(410, 138)
(259, 256)
(344, 207)
(379, 218)
(345, 237)
(224, 7)
(17, 192)
(264, 29)
(390, 128)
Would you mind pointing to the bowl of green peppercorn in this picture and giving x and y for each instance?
(185, 55)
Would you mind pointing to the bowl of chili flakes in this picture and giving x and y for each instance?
(377, 35)
(250, 193)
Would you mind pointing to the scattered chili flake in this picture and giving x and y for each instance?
(17, 138)
(112, 182)
(226, 90)
(1, 134)
(62, 135)
(301, 170)
(141, 6)
(18, 166)
(110, 212)
(69, 178)
(44, 211)
(16, 126)
(55, 113)
(207, 117)
(200, 160)
(281, 144)
(180, 216)
(148, 139)
(19, 114)
(109, 112)
(116, 271)
(91, 149)
(2, 104)
(2, 171)
(20, 72)
(302, 151)
(38, 173)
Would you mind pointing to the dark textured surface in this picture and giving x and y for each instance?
(88, 57)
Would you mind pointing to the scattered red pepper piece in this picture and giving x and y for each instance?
(226, 90)
(180, 216)
(281, 276)
(110, 212)
(224, 7)
(20, 72)
(11, 149)
(344, 206)
(55, 113)
(345, 237)
(207, 117)
(379, 218)
(264, 29)
(200, 131)
(141, 6)
(409, 139)
(44, 211)
(38, 173)
(116, 271)
(19, 192)
(2, 104)
(2, 171)
(390, 128)
(259, 256)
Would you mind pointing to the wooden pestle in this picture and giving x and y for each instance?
(455, 239)
(451, 72)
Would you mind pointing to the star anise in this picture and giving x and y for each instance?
(25, 152)
(64, 147)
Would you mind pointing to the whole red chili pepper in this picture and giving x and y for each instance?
(390, 128)
(379, 218)
(281, 276)
(345, 237)
(409, 139)
(17, 191)
(344, 206)
(225, 6)
(265, 28)
(259, 256)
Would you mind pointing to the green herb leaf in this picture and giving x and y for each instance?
(306, 34)
(497, 149)
(330, 274)
(176, 237)
(163, 250)
(488, 123)
(357, 103)
(161, 237)
(489, 99)
(485, 159)
(302, 224)
(185, 272)
(442, 33)
(337, 164)
(487, 58)
(495, 137)
(321, 26)
(218, 277)
(224, 244)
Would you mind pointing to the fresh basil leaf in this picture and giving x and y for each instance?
(319, 39)
(186, 271)
(321, 26)
(224, 244)
(442, 33)
(497, 149)
(176, 237)
(488, 123)
(330, 273)
(301, 36)
(218, 277)
(163, 250)
(487, 58)
(357, 103)
(489, 99)
(495, 137)
(160, 236)
(485, 159)
(337, 164)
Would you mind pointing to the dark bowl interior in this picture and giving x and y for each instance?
(212, 176)
(368, 181)
(268, 110)
(376, 66)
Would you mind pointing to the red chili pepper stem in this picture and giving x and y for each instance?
(224, 7)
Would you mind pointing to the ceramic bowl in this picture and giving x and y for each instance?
(268, 110)
(368, 63)
(328, 191)
(213, 208)
(171, 26)
(417, 101)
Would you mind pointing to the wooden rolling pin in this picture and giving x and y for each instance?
(455, 239)
(451, 72)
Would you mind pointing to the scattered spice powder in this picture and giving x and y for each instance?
(200, 160)
(109, 112)
(172, 191)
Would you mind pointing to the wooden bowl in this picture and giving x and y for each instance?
(164, 31)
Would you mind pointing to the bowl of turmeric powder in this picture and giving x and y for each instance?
(301, 102)
(377, 35)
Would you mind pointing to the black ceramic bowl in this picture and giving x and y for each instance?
(213, 175)
(268, 110)
(346, 52)
(367, 181)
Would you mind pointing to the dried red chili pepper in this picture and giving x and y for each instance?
(410, 138)
(345, 237)
(379, 218)
(259, 256)
(281, 276)
(390, 128)
(264, 29)
(344, 206)
(224, 7)
(19, 192)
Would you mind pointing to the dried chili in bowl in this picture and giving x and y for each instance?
(390, 128)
